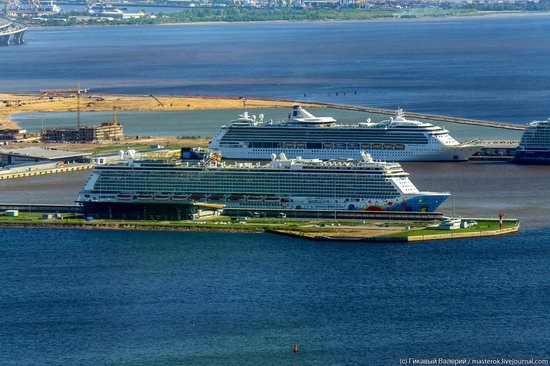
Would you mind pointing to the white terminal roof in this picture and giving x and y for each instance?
(44, 153)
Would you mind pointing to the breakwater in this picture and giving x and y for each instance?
(433, 117)
(509, 226)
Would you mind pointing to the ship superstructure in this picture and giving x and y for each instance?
(303, 134)
(534, 147)
(282, 183)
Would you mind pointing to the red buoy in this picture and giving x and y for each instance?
(295, 350)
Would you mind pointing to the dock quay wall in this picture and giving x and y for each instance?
(472, 234)
(32, 173)
(41, 208)
(339, 214)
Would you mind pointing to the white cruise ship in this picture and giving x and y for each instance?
(163, 187)
(534, 147)
(303, 134)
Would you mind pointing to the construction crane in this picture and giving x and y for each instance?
(68, 93)
(114, 115)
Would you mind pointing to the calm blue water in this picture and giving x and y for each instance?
(144, 298)
(491, 68)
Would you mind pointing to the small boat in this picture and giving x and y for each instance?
(236, 197)
(254, 198)
(272, 199)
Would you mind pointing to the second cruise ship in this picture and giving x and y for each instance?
(534, 147)
(303, 134)
(134, 187)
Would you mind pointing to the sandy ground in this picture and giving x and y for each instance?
(52, 102)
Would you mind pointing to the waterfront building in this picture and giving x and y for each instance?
(33, 154)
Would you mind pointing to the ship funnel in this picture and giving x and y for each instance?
(273, 157)
(121, 154)
(282, 157)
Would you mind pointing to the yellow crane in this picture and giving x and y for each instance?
(68, 92)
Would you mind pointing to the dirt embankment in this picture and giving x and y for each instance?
(19, 103)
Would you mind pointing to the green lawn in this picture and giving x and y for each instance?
(482, 225)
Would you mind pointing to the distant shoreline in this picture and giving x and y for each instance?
(477, 15)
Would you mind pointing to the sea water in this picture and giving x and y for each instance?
(481, 67)
(153, 298)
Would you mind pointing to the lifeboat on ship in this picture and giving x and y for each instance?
(254, 198)
(216, 197)
(197, 197)
(179, 197)
(236, 197)
(123, 196)
(161, 197)
(273, 199)
(374, 208)
(144, 196)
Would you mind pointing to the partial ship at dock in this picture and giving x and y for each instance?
(303, 134)
(134, 187)
(534, 147)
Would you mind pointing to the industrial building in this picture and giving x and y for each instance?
(27, 155)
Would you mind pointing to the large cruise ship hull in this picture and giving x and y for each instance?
(149, 188)
(136, 207)
(413, 153)
(532, 157)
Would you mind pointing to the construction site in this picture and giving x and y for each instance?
(106, 131)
